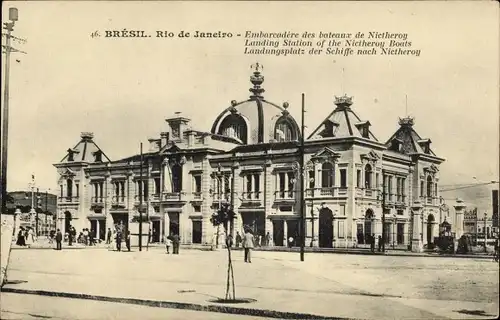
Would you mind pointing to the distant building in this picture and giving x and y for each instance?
(250, 158)
(45, 206)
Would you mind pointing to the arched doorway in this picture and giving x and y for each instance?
(369, 215)
(67, 221)
(430, 229)
(325, 228)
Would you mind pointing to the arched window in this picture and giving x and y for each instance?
(429, 186)
(327, 175)
(368, 176)
(234, 126)
(284, 130)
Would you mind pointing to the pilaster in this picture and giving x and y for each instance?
(417, 245)
(269, 197)
(206, 211)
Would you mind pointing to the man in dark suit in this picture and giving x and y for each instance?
(59, 239)
(176, 243)
(119, 240)
(248, 245)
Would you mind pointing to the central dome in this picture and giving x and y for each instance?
(257, 120)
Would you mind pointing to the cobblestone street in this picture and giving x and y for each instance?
(331, 285)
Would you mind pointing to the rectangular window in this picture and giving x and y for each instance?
(341, 229)
(421, 188)
(377, 182)
(157, 185)
(77, 189)
(197, 183)
(358, 178)
(257, 185)
(343, 178)
(249, 186)
(227, 184)
(61, 188)
(101, 189)
(291, 183)
(281, 183)
(311, 179)
(389, 187)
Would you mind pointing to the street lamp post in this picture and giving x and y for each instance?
(393, 229)
(484, 231)
(9, 26)
(219, 191)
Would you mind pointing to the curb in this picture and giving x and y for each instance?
(176, 305)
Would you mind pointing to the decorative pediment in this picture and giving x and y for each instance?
(431, 169)
(173, 149)
(325, 154)
(66, 173)
(370, 156)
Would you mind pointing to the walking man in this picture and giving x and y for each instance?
(119, 240)
(248, 245)
(108, 238)
(238, 239)
(127, 240)
(176, 243)
(59, 239)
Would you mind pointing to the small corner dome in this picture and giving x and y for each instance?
(256, 120)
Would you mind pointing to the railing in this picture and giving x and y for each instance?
(220, 196)
(156, 197)
(138, 198)
(118, 199)
(173, 196)
(253, 195)
(326, 192)
(69, 199)
(197, 196)
(284, 194)
(97, 200)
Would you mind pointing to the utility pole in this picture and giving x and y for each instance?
(484, 231)
(9, 26)
(383, 210)
(140, 202)
(146, 195)
(301, 177)
(36, 210)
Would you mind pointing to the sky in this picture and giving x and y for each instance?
(122, 89)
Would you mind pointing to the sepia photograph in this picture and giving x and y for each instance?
(250, 160)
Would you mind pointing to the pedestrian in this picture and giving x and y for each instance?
(119, 240)
(86, 236)
(168, 243)
(229, 241)
(290, 242)
(30, 239)
(176, 243)
(127, 240)
(59, 239)
(372, 242)
(112, 245)
(379, 243)
(268, 239)
(108, 237)
(52, 234)
(248, 245)
(20, 238)
(238, 239)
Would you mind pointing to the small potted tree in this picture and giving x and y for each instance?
(225, 217)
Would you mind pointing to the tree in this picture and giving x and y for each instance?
(225, 217)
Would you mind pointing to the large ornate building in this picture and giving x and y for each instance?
(251, 158)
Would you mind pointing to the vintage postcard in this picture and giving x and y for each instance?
(250, 160)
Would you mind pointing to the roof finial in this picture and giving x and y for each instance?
(257, 79)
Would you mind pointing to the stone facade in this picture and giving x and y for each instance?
(251, 158)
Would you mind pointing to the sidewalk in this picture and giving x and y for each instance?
(193, 279)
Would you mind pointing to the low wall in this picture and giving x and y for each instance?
(6, 243)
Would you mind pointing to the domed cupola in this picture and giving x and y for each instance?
(257, 120)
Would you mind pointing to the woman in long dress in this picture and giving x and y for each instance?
(30, 238)
(112, 244)
(20, 238)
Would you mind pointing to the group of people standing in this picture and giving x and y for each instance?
(259, 240)
(25, 237)
(115, 238)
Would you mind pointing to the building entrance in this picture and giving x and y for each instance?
(325, 228)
